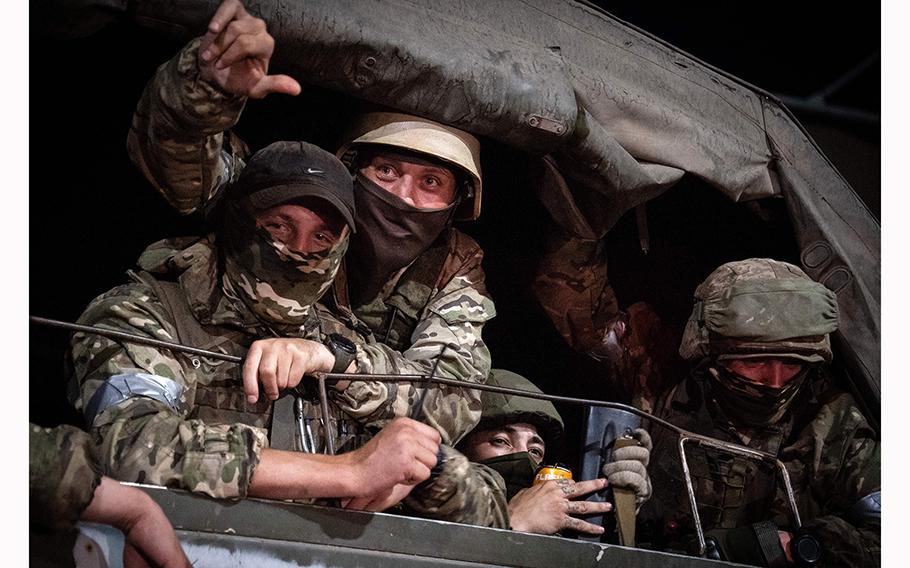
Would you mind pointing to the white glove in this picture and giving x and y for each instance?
(629, 468)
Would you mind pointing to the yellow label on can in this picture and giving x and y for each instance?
(548, 472)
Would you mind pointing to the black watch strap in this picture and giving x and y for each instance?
(343, 349)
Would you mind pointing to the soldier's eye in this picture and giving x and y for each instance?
(536, 453)
(385, 171)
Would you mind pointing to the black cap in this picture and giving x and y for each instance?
(285, 171)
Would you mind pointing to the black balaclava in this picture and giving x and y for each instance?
(750, 403)
(517, 470)
(390, 235)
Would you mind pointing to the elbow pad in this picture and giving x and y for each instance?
(129, 385)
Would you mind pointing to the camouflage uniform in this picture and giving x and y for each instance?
(62, 475)
(210, 440)
(828, 448)
(468, 493)
(634, 347)
(179, 140)
(763, 308)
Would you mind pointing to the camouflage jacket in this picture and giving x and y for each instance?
(461, 492)
(62, 475)
(831, 453)
(211, 440)
(179, 138)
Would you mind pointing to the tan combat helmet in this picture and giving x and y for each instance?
(501, 409)
(760, 307)
(424, 136)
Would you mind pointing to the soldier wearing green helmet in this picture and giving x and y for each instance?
(512, 439)
(759, 335)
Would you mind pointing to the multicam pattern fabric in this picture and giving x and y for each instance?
(212, 442)
(277, 284)
(463, 492)
(62, 475)
(832, 455)
(635, 348)
(177, 139)
(178, 133)
(447, 330)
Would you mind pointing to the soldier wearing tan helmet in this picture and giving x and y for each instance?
(759, 335)
(410, 280)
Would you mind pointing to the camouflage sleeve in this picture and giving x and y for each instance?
(847, 468)
(62, 476)
(177, 137)
(141, 439)
(462, 492)
(454, 318)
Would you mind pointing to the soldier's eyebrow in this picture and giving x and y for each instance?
(535, 439)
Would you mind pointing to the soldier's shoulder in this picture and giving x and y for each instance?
(125, 301)
(839, 414)
(463, 244)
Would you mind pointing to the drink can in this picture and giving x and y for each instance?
(548, 472)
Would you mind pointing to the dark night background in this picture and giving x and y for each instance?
(104, 212)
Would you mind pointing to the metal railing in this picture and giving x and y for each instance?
(685, 436)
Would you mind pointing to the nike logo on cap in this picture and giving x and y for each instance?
(314, 171)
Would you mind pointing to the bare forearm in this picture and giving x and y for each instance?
(294, 475)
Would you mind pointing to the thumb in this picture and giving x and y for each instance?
(283, 84)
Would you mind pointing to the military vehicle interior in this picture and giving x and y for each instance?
(92, 213)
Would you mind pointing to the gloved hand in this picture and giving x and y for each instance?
(629, 468)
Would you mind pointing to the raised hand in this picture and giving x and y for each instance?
(235, 53)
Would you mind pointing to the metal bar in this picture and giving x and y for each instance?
(326, 418)
(791, 498)
(114, 334)
(330, 441)
(418, 408)
(691, 491)
(733, 449)
(301, 428)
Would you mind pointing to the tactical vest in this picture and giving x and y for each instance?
(217, 394)
(392, 320)
(731, 491)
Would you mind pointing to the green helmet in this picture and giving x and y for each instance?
(501, 409)
(760, 307)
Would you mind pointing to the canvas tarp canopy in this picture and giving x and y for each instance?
(620, 115)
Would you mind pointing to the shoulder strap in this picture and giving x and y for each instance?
(189, 331)
(415, 287)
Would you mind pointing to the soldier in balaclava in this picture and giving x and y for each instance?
(250, 289)
(512, 438)
(760, 336)
(412, 280)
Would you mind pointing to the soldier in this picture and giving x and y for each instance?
(759, 331)
(65, 485)
(512, 438)
(248, 289)
(412, 278)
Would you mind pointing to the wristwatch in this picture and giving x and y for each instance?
(343, 349)
(805, 550)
